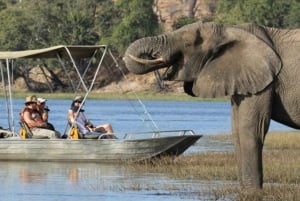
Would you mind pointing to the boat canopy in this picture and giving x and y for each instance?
(60, 52)
(73, 53)
(77, 51)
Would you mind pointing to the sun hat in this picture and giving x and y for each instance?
(31, 99)
(78, 98)
(41, 100)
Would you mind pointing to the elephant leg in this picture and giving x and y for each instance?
(250, 123)
(235, 123)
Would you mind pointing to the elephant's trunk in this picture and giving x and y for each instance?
(146, 55)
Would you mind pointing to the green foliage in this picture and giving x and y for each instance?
(35, 24)
(135, 19)
(15, 32)
(2, 5)
(274, 13)
(183, 21)
(294, 15)
(107, 16)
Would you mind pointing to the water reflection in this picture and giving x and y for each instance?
(91, 181)
(28, 176)
(207, 144)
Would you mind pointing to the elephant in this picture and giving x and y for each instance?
(257, 67)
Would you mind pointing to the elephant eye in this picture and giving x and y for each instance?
(198, 39)
(192, 39)
(187, 44)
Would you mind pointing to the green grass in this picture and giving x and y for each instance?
(117, 96)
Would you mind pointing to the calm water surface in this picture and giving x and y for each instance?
(90, 181)
(207, 118)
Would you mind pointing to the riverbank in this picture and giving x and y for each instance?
(281, 160)
(162, 96)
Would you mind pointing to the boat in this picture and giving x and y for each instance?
(131, 147)
(90, 150)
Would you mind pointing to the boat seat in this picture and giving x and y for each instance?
(5, 133)
(75, 135)
(25, 132)
(90, 136)
(107, 136)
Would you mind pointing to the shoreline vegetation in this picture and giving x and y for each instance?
(159, 96)
(281, 158)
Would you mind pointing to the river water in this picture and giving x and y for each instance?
(91, 181)
(204, 117)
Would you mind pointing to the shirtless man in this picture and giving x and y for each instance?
(33, 118)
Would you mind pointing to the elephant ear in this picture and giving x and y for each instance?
(243, 64)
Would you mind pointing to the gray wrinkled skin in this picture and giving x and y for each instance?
(258, 67)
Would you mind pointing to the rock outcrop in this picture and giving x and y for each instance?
(169, 11)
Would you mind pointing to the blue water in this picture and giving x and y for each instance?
(91, 181)
(207, 118)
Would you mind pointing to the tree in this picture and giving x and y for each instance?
(36, 24)
(274, 13)
(135, 19)
(67, 22)
(294, 15)
(183, 21)
(15, 31)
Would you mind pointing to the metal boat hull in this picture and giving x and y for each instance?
(107, 150)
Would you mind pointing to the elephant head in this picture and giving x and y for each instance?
(212, 60)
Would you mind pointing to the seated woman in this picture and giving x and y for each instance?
(86, 128)
(33, 118)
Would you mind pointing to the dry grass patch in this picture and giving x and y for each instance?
(274, 140)
(208, 166)
(282, 166)
(283, 140)
(281, 160)
(269, 193)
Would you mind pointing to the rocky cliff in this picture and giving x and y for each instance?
(169, 11)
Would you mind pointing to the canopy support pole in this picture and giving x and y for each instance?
(66, 72)
(76, 68)
(8, 97)
(136, 96)
(87, 90)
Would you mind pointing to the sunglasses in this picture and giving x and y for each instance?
(78, 101)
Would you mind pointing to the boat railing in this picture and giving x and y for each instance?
(157, 134)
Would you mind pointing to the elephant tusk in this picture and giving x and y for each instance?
(146, 61)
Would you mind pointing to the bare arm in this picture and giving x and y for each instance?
(45, 115)
(71, 116)
(31, 122)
